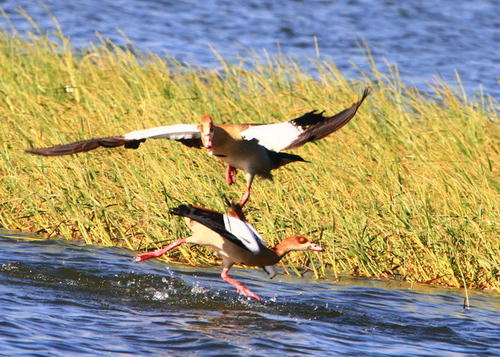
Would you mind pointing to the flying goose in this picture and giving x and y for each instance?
(253, 148)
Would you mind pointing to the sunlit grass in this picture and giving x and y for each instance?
(407, 190)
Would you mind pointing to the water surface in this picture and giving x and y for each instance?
(60, 298)
(427, 39)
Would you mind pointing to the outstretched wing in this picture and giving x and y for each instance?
(296, 132)
(236, 231)
(245, 232)
(187, 134)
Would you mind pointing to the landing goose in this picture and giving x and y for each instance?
(234, 240)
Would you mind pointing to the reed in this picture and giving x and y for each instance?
(407, 190)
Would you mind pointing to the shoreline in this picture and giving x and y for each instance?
(407, 189)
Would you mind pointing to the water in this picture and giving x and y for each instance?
(427, 39)
(60, 298)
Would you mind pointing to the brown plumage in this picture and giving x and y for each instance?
(253, 148)
(235, 241)
(85, 145)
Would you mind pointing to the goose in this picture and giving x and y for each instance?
(254, 148)
(235, 240)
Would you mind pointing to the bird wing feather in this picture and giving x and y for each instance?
(236, 231)
(273, 137)
(311, 126)
(187, 134)
(172, 132)
(245, 233)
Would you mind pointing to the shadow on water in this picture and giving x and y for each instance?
(61, 297)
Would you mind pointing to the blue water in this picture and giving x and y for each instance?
(59, 298)
(426, 38)
(65, 299)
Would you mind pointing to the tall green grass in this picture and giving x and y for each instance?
(407, 190)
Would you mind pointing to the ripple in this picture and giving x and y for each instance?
(62, 298)
(423, 39)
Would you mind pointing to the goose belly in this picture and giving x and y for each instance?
(248, 156)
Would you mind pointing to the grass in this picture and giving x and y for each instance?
(408, 190)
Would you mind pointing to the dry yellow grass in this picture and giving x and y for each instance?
(407, 190)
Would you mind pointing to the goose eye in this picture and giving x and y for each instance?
(302, 240)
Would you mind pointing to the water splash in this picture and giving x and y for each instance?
(56, 292)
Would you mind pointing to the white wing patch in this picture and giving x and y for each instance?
(173, 132)
(245, 233)
(274, 137)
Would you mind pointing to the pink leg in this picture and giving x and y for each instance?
(159, 252)
(245, 197)
(240, 288)
(230, 175)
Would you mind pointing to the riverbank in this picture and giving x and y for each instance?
(407, 190)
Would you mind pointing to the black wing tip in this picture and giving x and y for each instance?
(317, 126)
(315, 116)
(36, 151)
(190, 210)
(48, 151)
(365, 94)
(310, 118)
(355, 106)
(59, 150)
(85, 145)
(181, 210)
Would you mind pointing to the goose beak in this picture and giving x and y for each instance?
(315, 248)
(207, 140)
